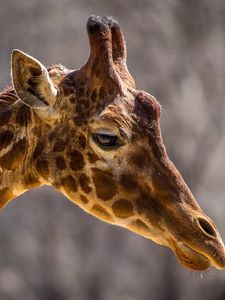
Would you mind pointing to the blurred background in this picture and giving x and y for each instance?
(51, 249)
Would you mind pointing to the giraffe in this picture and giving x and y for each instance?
(97, 139)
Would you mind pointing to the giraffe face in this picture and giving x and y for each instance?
(102, 147)
(137, 186)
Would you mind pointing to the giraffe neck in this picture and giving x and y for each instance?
(17, 139)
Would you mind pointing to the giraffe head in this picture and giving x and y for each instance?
(98, 140)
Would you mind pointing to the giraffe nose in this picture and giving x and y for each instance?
(207, 227)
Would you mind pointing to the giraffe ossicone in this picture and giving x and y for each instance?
(96, 138)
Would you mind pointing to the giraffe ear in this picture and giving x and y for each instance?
(31, 81)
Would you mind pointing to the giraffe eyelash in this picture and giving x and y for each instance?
(105, 140)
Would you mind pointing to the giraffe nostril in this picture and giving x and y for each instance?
(207, 227)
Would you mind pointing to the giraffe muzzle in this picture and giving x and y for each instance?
(191, 234)
(196, 241)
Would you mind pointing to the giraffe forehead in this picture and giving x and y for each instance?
(82, 98)
(88, 95)
(134, 117)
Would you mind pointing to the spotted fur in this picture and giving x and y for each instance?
(47, 121)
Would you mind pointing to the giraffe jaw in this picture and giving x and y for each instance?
(195, 259)
(190, 258)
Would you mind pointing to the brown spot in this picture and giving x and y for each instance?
(23, 116)
(5, 116)
(122, 208)
(59, 146)
(38, 150)
(86, 93)
(69, 184)
(31, 81)
(150, 207)
(104, 184)
(141, 159)
(145, 202)
(42, 167)
(84, 183)
(6, 138)
(83, 199)
(101, 213)
(76, 160)
(30, 181)
(72, 99)
(67, 90)
(128, 183)
(83, 108)
(139, 227)
(36, 131)
(79, 120)
(60, 163)
(166, 181)
(81, 90)
(82, 141)
(92, 157)
(93, 96)
(5, 195)
(101, 93)
(14, 157)
(53, 135)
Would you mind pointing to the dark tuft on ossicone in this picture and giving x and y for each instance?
(96, 24)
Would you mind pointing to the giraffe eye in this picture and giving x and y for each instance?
(106, 141)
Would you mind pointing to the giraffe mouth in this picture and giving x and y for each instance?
(191, 258)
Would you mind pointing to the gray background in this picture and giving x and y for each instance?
(49, 248)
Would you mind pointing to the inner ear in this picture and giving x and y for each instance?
(31, 81)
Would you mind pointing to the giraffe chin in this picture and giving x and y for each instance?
(190, 258)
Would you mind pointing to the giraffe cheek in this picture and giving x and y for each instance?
(141, 160)
(92, 157)
(151, 208)
(105, 185)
